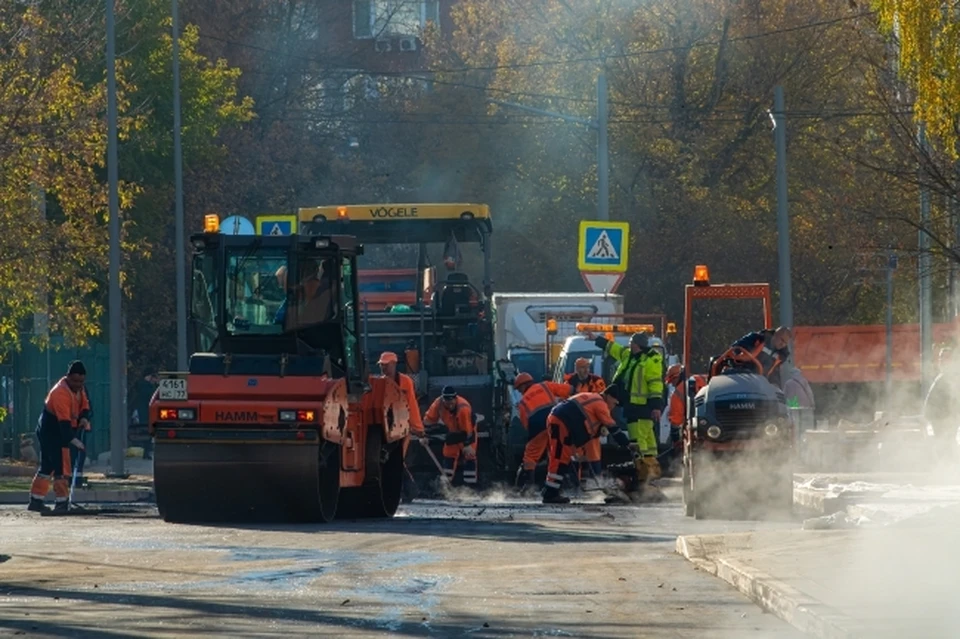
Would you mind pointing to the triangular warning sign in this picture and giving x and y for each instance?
(276, 230)
(603, 249)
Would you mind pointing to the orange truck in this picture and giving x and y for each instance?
(276, 418)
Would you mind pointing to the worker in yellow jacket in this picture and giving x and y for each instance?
(639, 377)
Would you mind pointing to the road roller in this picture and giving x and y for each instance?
(276, 418)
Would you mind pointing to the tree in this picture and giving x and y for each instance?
(52, 137)
(926, 35)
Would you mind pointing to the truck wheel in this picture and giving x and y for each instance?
(383, 485)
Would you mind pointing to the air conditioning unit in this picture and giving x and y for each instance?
(408, 44)
(382, 46)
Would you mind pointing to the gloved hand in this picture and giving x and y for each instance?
(78, 444)
(468, 452)
(84, 424)
(655, 415)
(424, 441)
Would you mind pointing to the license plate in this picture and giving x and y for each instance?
(173, 389)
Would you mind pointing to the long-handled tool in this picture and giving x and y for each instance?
(78, 464)
(436, 462)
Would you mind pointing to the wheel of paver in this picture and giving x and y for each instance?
(383, 487)
(702, 489)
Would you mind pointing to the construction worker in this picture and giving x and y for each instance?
(388, 368)
(677, 377)
(65, 410)
(583, 381)
(538, 398)
(639, 377)
(571, 424)
(456, 414)
(771, 348)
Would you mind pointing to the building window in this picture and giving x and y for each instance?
(393, 18)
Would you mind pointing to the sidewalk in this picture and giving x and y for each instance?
(136, 488)
(874, 580)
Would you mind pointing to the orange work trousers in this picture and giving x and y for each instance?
(535, 448)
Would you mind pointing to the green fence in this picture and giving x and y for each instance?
(29, 375)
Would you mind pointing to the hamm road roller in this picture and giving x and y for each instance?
(738, 452)
(276, 418)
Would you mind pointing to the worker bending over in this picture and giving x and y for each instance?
(537, 401)
(583, 381)
(639, 377)
(456, 414)
(572, 424)
(65, 410)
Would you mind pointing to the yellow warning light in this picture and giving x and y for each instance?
(610, 336)
(671, 328)
(701, 276)
(615, 328)
(551, 327)
(341, 212)
(211, 223)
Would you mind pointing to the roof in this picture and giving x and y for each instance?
(399, 223)
(858, 354)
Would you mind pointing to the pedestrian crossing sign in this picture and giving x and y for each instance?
(276, 224)
(603, 246)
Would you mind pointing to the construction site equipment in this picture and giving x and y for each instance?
(738, 442)
(276, 418)
(445, 338)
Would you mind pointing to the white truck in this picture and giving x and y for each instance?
(520, 327)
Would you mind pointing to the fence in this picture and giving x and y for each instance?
(28, 376)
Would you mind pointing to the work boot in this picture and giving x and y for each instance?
(36, 505)
(61, 507)
(553, 496)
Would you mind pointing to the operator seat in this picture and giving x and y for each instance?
(456, 296)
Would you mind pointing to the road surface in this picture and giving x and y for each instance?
(445, 569)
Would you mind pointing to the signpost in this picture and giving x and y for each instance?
(602, 254)
(236, 225)
(276, 224)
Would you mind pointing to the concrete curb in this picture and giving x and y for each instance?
(88, 497)
(819, 502)
(804, 613)
(16, 471)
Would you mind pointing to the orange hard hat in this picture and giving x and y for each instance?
(674, 373)
(388, 358)
(521, 379)
(581, 361)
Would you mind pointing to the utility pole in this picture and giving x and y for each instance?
(925, 275)
(600, 126)
(117, 356)
(603, 151)
(783, 219)
(178, 179)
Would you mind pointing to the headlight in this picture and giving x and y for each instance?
(177, 414)
(713, 432)
(771, 429)
(288, 416)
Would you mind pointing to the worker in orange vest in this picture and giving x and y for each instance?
(571, 424)
(456, 414)
(583, 381)
(65, 411)
(676, 377)
(388, 368)
(538, 398)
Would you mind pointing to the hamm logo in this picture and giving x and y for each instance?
(743, 406)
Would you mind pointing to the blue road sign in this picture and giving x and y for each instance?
(276, 224)
(603, 246)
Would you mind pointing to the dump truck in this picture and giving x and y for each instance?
(445, 337)
(277, 418)
(738, 442)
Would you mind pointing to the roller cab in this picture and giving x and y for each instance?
(276, 419)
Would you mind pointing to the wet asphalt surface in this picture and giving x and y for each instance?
(489, 568)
